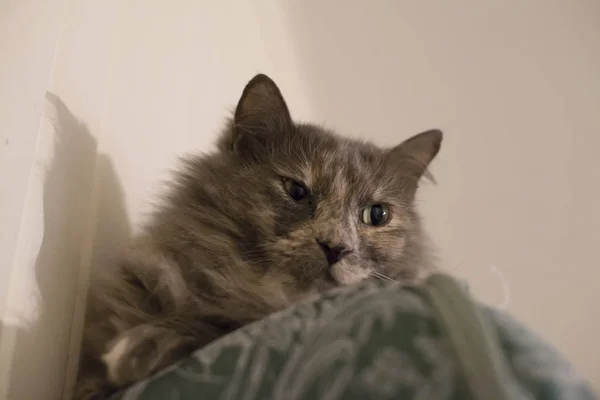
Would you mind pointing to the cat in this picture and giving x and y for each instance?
(279, 212)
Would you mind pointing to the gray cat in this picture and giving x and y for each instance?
(281, 211)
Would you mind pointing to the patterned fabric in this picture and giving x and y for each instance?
(372, 341)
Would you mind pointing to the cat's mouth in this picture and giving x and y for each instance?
(346, 273)
(341, 275)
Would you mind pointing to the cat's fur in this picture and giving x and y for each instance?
(230, 246)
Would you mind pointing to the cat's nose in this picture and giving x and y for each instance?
(333, 253)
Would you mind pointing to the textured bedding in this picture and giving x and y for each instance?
(374, 341)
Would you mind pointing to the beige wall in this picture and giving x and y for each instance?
(513, 84)
(28, 35)
(27, 52)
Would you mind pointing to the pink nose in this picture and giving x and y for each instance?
(333, 253)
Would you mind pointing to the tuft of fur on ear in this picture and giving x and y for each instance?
(412, 157)
(429, 176)
(260, 113)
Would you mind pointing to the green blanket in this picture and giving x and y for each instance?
(374, 341)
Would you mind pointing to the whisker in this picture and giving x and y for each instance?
(382, 276)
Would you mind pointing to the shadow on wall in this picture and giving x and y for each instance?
(76, 200)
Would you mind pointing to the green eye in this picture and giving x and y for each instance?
(375, 215)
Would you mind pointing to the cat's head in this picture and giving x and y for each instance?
(302, 207)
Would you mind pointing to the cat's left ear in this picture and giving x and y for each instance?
(260, 113)
(412, 157)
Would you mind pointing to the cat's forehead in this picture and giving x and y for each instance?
(346, 161)
(339, 166)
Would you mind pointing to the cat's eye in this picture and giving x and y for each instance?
(375, 215)
(297, 191)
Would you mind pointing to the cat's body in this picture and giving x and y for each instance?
(280, 212)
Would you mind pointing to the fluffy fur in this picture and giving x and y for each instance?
(230, 246)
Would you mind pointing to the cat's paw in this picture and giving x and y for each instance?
(130, 358)
(114, 358)
(141, 351)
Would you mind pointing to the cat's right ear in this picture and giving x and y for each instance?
(411, 158)
(261, 112)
